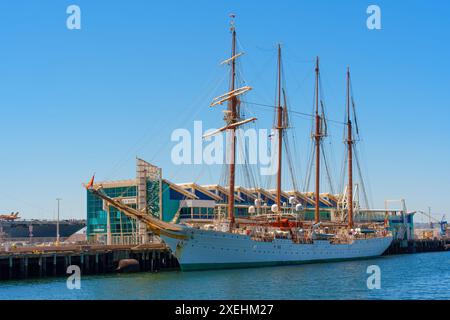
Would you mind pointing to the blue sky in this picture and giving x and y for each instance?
(74, 102)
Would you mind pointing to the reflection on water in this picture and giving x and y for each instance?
(420, 276)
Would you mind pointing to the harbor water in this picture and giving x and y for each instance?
(412, 276)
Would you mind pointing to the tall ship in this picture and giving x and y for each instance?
(276, 234)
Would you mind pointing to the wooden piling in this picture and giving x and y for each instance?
(44, 266)
(11, 267)
(54, 265)
(96, 263)
(66, 263)
(153, 261)
(40, 266)
(86, 267)
(25, 272)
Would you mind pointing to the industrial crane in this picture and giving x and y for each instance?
(443, 223)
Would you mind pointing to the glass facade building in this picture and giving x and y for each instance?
(191, 200)
(119, 223)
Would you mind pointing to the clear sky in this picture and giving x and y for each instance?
(74, 102)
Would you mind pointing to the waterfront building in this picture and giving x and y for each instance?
(166, 200)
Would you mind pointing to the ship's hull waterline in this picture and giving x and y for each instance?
(208, 249)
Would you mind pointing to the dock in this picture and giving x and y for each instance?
(418, 246)
(53, 261)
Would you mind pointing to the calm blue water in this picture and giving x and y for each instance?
(419, 276)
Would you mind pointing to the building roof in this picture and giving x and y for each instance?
(209, 191)
(264, 192)
(204, 190)
(116, 184)
(321, 198)
(222, 189)
(283, 193)
(302, 196)
(180, 189)
(247, 192)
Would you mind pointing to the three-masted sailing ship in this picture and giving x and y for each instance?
(279, 238)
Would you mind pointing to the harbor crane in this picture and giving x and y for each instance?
(442, 223)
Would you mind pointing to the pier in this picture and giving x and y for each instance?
(36, 262)
(418, 246)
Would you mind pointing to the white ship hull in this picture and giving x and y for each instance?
(207, 249)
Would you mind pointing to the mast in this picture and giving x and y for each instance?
(317, 138)
(280, 132)
(232, 119)
(350, 156)
(232, 108)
